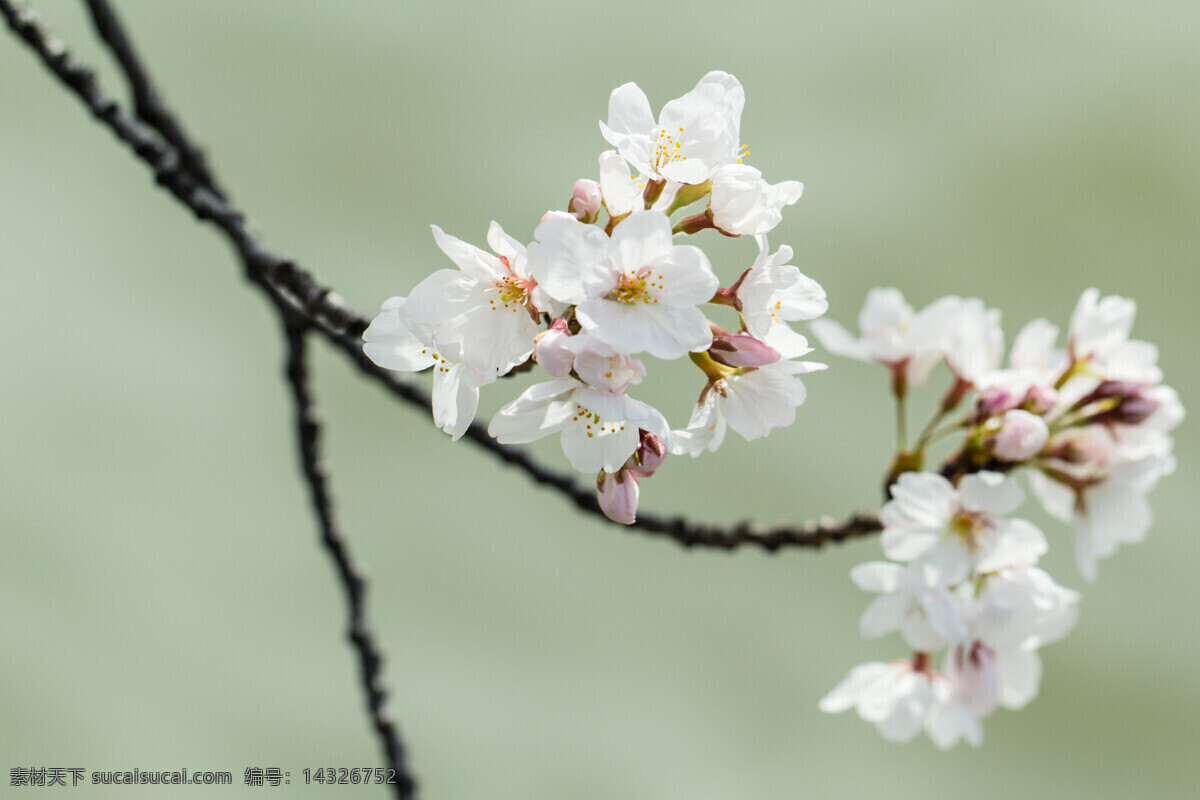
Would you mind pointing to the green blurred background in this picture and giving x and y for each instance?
(165, 601)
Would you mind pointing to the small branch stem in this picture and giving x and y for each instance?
(370, 658)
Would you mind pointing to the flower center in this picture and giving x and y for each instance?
(969, 527)
(513, 290)
(595, 425)
(666, 149)
(637, 287)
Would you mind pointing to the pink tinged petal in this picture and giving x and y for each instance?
(455, 399)
(618, 495)
(850, 691)
(1015, 543)
(785, 341)
(476, 263)
(552, 351)
(613, 374)
(990, 493)
(570, 260)
(540, 410)
(972, 667)
(876, 576)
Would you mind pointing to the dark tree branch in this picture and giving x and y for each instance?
(324, 312)
(370, 658)
(147, 104)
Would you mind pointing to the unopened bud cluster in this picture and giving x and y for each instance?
(605, 283)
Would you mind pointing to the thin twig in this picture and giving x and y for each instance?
(325, 313)
(148, 105)
(370, 658)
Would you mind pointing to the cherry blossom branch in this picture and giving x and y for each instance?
(324, 312)
(147, 104)
(360, 634)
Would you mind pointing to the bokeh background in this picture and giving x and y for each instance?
(165, 603)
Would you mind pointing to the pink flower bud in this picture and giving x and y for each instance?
(586, 200)
(618, 495)
(994, 400)
(558, 215)
(648, 457)
(1134, 410)
(552, 351)
(1022, 436)
(1039, 399)
(741, 350)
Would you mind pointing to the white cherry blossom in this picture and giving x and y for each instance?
(959, 530)
(901, 699)
(914, 600)
(634, 291)
(694, 136)
(772, 294)
(484, 313)
(1099, 338)
(742, 203)
(599, 430)
(1106, 513)
(391, 345)
(972, 340)
(1021, 607)
(752, 401)
(891, 334)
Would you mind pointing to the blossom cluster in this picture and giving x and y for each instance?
(1090, 426)
(603, 284)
